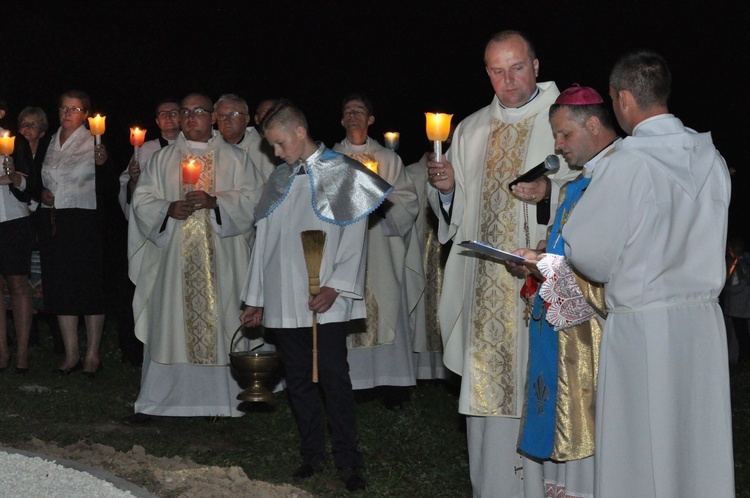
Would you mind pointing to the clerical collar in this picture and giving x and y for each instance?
(197, 145)
(588, 168)
(533, 96)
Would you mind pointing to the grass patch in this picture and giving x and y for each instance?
(419, 451)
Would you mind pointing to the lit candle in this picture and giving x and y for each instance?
(372, 166)
(96, 125)
(438, 129)
(6, 148)
(6, 144)
(190, 173)
(137, 136)
(391, 140)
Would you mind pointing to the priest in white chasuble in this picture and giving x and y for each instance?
(189, 245)
(383, 354)
(482, 313)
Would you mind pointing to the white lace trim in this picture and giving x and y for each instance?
(567, 306)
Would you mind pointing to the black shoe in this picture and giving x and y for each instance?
(138, 420)
(67, 371)
(92, 374)
(22, 370)
(352, 477)
(307, 470)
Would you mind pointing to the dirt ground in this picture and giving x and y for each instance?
(175, 477)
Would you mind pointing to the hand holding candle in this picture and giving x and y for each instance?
(96, 125)
(137, 137)
(6, 149)
(438, 129)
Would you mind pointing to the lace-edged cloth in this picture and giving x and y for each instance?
(566, 305)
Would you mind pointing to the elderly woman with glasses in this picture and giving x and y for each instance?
(72, 232)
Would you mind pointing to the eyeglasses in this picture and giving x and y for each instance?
(73, 110)
(198, 111)
(231, 115)
(29, 124)
(167, 114)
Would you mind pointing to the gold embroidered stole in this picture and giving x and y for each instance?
(201, 314)
(577, 368)
(493, 361)
(365, 336)
(434, 263)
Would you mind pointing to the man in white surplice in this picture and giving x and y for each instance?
(652, 227)
(485, 335)
(233, 120)
(188, 252)
(383, 354)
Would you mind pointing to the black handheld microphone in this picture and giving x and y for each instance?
(551, 163)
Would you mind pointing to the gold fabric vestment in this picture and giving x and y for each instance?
(577, 368)
(199, 273)
(494, 340)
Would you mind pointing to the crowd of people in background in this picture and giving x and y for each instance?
(616, 385)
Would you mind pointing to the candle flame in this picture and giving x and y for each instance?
(438, 126)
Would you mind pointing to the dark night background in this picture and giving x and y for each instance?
(409, 57)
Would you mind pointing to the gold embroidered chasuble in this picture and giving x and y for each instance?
(200, 311)
(494, 336)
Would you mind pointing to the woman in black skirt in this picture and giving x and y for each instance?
(71, 243)
(15, 252)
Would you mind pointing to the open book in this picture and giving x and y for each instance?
(488, 250)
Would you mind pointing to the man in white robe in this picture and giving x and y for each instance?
(558, 420)
(188, 252)
(315, 189)
(428, 343)
(168, 122)
(383, 354)
(652, 227)
(481, 312)
(233, 118)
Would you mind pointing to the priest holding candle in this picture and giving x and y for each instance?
(382, 354)
(189, 244)
(168, 121)
(482, 311)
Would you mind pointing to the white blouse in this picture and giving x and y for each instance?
(69, 170)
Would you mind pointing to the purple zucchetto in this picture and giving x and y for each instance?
(579, 95)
